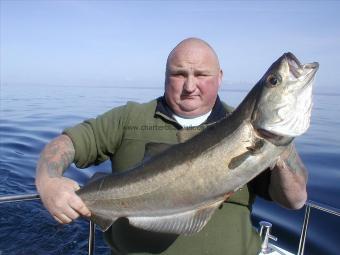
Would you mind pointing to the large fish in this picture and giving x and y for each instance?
(178, 190)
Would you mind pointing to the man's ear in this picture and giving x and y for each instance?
(220, 77)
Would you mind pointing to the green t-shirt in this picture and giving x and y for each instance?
(127, 135)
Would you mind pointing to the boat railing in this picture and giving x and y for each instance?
(91, 239)
(319, 206)
(29, 197)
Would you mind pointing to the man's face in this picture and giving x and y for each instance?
(193, 77)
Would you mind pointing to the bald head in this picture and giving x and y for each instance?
(193, 46)
(193, 76)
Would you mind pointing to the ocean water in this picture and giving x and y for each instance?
(30, 116)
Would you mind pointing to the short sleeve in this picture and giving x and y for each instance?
(95, 140)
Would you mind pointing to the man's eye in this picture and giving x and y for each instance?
(177, 74)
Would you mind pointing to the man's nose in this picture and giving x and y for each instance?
(190, 84)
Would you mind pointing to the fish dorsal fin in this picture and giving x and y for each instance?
(187, 222)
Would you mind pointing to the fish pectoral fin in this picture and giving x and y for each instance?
(187, 222)
(238, 160)
(256, 147)
(103, 222)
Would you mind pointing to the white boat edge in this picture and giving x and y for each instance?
(275, 250)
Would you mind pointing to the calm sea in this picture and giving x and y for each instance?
(30, 116)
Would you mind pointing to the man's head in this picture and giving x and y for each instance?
(193, 76)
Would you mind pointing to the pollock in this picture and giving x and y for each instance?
(178, 190)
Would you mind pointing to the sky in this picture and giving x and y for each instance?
(91, 43)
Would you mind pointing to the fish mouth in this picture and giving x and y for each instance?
(284, 111)
(276, 139)
(294, 63)
(267, 134)
(299, 71)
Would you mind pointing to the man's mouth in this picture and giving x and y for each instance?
(183, 97)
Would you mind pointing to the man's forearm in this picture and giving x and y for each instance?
(55, 159)
(288, 180)
(58, 192)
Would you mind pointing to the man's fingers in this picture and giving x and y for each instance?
(57, 219)
(71, 213)
(83, 210)
(78, 205)
(67, 216)
(62, 218)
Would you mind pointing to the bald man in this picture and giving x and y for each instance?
(193, 77)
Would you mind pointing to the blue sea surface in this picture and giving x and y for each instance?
(30, 116)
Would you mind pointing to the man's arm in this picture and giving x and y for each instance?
(288, 180)
(57, 192)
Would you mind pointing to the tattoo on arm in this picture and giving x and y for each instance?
(57, 156)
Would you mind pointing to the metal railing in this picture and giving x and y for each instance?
(18, 198)
(29, 197)
(91, 240)
(319, 206)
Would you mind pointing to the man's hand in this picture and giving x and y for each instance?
(59, 197)
(57, 192)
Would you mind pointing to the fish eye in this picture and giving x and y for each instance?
(274, 79)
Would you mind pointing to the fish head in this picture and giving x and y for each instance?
(285, 102)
